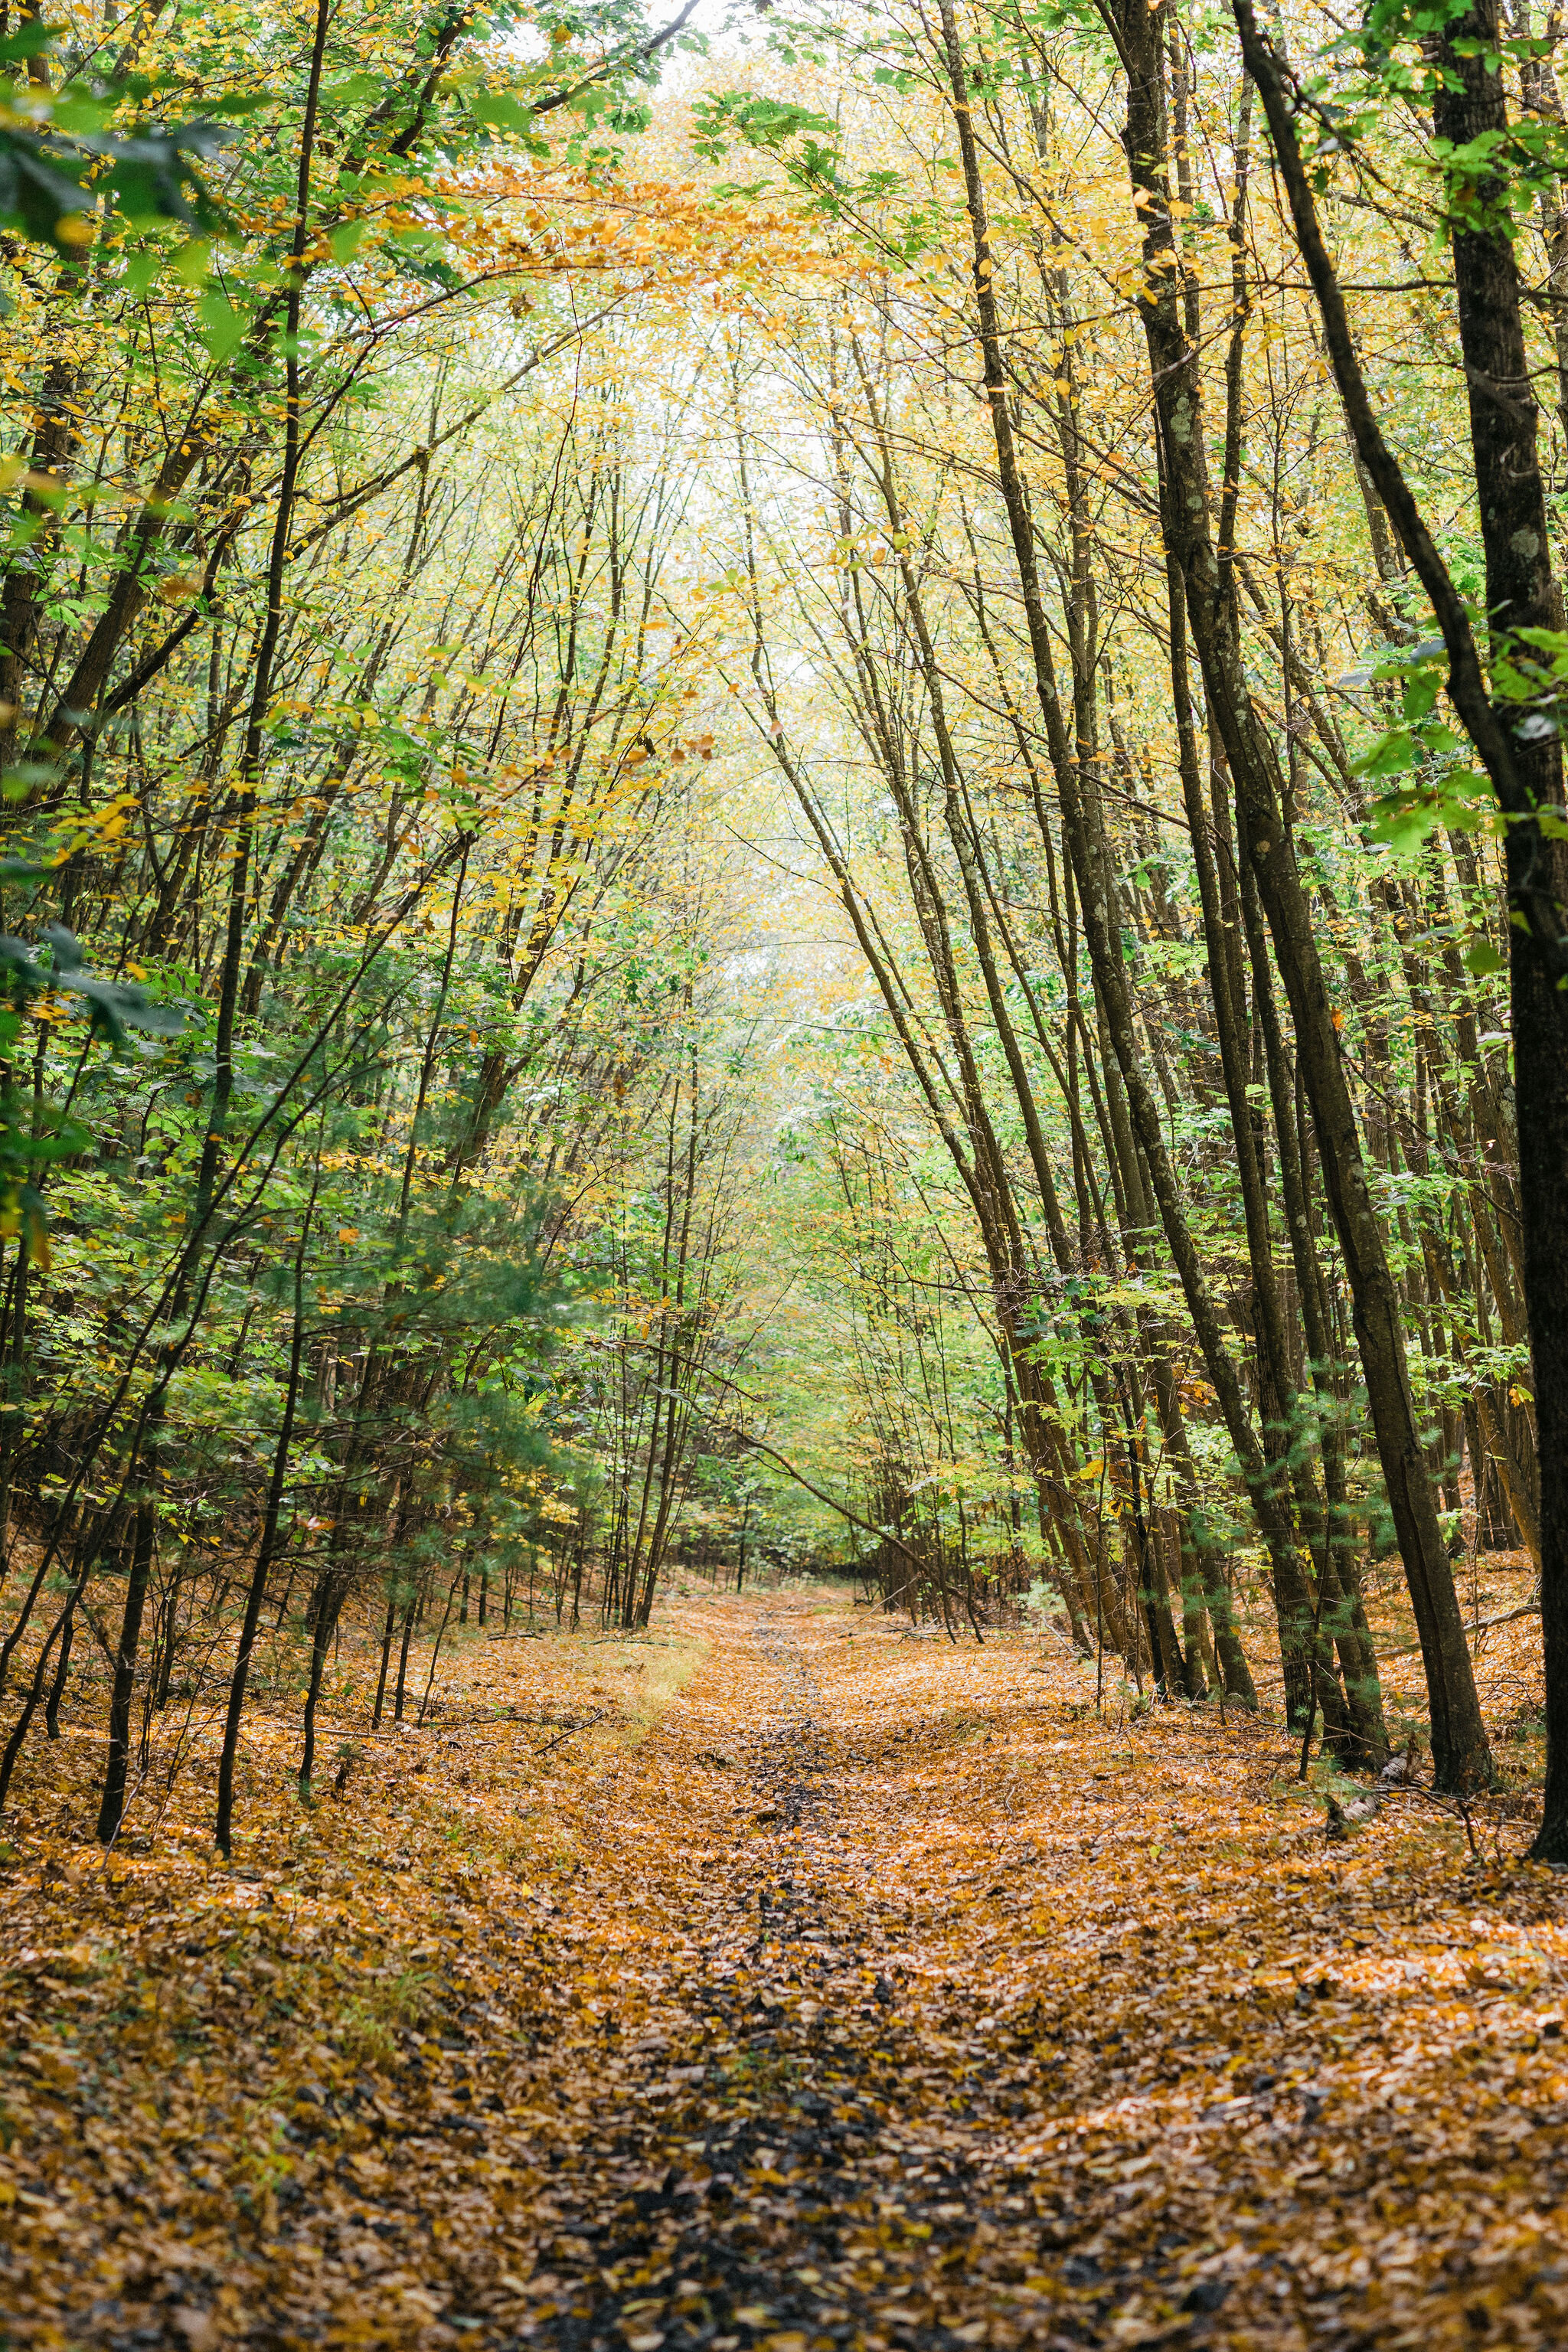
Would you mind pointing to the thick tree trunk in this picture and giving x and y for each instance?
(1521, 594)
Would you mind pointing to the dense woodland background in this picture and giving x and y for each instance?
(733, 843)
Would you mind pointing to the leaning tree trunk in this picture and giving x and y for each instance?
(1461, 1757)
(1523, 770)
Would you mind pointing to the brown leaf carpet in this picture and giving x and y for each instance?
(870, 1993)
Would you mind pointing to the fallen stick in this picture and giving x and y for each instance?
(1508, 1616)
(1407, 1649)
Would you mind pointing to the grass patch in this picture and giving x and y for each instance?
(367, 2026)
(655, 1673)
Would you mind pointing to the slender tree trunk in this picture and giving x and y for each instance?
(385, 1659)
(440, 1636)
(111, 1806)
(268, 1546)
(402, 1658)
(329, 1601)
(58, 1689)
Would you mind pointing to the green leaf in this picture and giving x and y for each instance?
(37, 193)
(222, 325)
(1512, 684)
(1390, 755)
(150, 175)
(500, 110)
(26, 42)
(1420, 694)
(141, 271)
(1482, 959)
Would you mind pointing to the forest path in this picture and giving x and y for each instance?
(781, 1980)
(972, 2018)
(804, 2205)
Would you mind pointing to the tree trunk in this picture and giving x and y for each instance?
(112, 1807)
(1461, 1757)
(1521, 593)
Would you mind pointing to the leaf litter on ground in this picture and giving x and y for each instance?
(818, 1988)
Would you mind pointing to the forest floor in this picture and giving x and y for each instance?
(781, 1980)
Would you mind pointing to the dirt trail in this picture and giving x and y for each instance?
(884, 1996)
(979, 2021)
(758, 2117)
